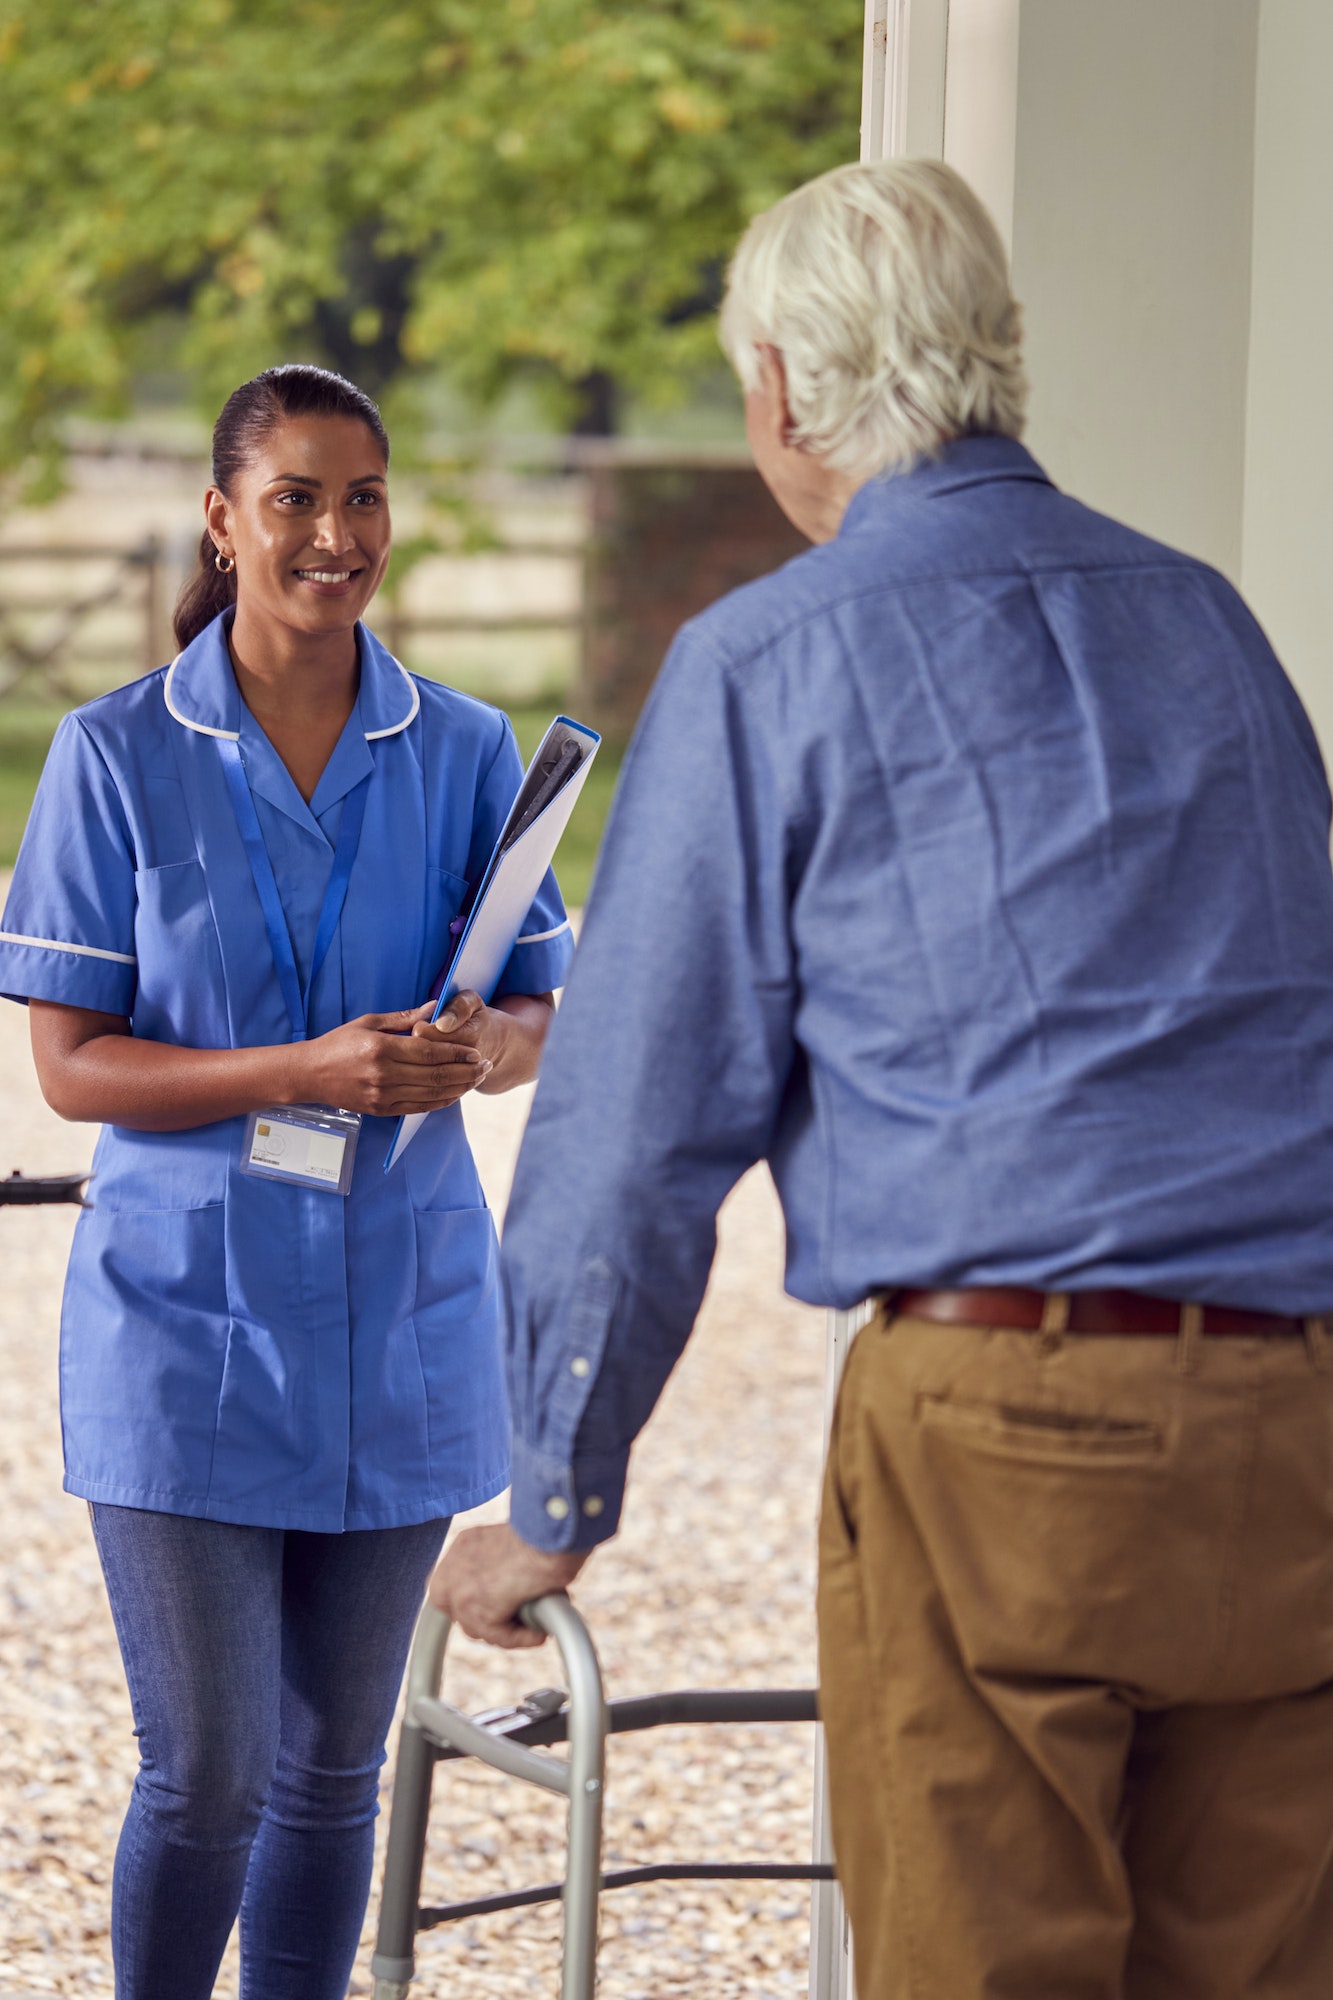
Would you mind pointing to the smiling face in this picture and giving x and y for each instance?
(307, 522)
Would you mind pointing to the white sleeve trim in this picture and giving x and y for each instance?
(540, 937)
(79, 950)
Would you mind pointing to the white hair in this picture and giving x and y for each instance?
(885, 288)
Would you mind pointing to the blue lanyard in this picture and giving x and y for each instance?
(335, 895)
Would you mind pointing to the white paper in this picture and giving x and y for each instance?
(493, 929)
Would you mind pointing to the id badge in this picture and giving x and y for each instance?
(311, 1145)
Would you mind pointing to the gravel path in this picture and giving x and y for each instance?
(709, 1583)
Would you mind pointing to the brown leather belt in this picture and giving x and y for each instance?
(1106, 1312)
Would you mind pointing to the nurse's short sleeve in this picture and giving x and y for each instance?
(540, 958)
(545, 945)
(67, 933)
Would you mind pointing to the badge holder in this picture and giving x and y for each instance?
(307, 1145)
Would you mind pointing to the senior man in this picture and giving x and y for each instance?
(973, 870)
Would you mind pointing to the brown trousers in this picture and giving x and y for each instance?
(1076, 1653)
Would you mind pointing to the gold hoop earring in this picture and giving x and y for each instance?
(224, 563)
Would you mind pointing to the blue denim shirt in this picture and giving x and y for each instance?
(974, 871)
(231, 1347)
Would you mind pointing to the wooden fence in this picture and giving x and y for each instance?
(53, 599)
(75, 618)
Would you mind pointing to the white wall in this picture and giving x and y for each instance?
(1131, 248)
(1163, 172)
(1287, 569)
(981, 101)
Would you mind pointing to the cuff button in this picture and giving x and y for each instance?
(557, 1508)
(593, 1506)
(580, 1366)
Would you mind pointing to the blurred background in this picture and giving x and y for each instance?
(510, 219)
(507, 219)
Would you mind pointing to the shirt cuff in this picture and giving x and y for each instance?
(555, 1506)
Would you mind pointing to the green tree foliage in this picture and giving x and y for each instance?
(487, 185)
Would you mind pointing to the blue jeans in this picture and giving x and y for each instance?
(263, 1667)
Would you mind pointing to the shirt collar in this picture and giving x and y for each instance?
(390, 697)
(962, 462)
(201, 694)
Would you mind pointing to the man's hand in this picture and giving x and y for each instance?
(485, 1575)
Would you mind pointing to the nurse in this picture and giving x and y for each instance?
(280, 1372)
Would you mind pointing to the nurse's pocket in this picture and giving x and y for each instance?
(456, 1321)
(176, 940)
(143, 1343)
(456, 1263)
(445, 897)
(162, 1173)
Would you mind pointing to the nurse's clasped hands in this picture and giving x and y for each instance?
(390, 1065)
(93, 1068)
(380, 1066)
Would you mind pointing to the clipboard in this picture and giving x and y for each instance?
(517, 867)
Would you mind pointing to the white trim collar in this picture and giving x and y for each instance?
(201, 728)
(374, 657)
(395, 728)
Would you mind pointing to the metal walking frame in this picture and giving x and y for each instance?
(433, 1732)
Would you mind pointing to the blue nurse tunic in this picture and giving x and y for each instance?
(231, 1347)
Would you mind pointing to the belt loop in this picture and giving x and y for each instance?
(1319, 1342)
(1187, 1347)
(1054, 1321)
(1055, 1313)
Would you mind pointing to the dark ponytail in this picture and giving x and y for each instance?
(247, 417)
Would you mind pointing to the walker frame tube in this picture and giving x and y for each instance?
(433, 1732)
(394, 1962)
(429, 1723)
